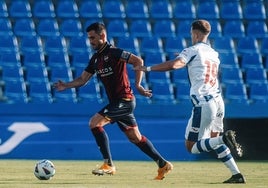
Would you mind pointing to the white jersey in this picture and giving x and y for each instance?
(202, 63)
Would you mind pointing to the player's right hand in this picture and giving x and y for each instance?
(60, 85)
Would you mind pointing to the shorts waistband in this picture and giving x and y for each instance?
(127, 99)
(207, 98)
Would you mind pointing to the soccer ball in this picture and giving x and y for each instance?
(44, 169)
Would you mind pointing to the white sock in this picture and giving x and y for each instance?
(224, 154)
(206, 145)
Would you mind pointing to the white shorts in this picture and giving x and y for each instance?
(207, 116)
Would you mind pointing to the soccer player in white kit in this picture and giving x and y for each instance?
(206, 122)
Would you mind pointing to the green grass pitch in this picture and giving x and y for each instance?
(131, 174)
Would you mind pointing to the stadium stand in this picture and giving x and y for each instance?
(46, 34)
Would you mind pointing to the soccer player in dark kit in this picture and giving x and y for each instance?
(109, 63)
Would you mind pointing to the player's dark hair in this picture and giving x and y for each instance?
(97, 27)
(201, 25)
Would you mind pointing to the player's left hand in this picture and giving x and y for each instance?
(144, 92)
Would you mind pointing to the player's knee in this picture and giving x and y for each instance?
(133, 135)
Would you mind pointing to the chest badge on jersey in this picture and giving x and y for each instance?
(105, 58)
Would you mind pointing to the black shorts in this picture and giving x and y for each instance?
(120, 111)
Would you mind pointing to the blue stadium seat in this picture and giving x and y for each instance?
(60, 73)
(90, 92)
(229, 60)
(48, 27)
(266, 64)
(113, 9)
(30, 43)
(158, 77)
(231, 10)
(11, 73)
(11, 58)
(5, 27)
(180, 76)
(20, 9)
(184, 10)
(117, 28)
(255, 75)
(129, 43)
(151, 45)
(55, 44)
(36, 73)
(90, 9)
(15, 91)
(258, 92)
(247, 45)
(163, 92)
(152, 58)
(40, 92)
(3, 9)
(140, 28)
(68, 95)
(231, 75)
(35, 58)
(184, 29)
(161, 10)
(236, 93)
(257, 29)
(251, 60)
(80, 59)
(216, 30)
(71, 28)
(155, 58)
(234, 29)
(43, 9)
(164, 28)
(182, 91)
(173, 46)
(24, 27)
(264, 46)
(67, 9)
(137, 10)
(58, 59)
(203, 7)
(224, 44)
(8, 43)
(79, 44)
(254, 10)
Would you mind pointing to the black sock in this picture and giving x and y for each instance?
(102, 141)
(147, 147)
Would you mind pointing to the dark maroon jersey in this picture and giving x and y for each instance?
(109, 63)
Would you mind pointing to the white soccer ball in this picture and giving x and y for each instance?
(44, 169)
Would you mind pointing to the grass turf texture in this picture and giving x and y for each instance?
(131, 174)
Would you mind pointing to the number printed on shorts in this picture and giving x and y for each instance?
(211, 73)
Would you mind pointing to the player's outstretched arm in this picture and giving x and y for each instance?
(164, 66)
(78, 82)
